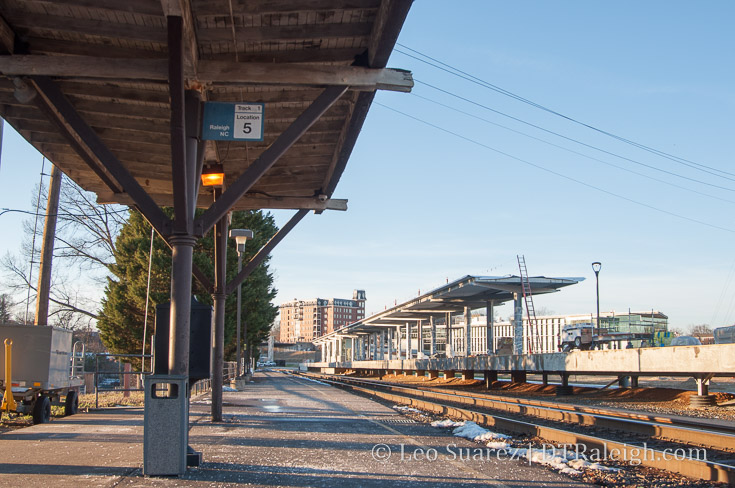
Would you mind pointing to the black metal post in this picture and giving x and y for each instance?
(238, 370)
(596, 268)
(219, 297)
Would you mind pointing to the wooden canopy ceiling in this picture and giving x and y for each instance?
(108, 58)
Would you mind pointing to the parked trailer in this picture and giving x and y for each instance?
(45, 368)
(586, 336)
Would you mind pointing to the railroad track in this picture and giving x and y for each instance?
(703, 450)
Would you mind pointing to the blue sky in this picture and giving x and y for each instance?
(426, 205)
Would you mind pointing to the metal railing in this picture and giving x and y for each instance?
(198, 388)
(97, 374)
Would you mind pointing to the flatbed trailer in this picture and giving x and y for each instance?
(45, 369)
(585, 336)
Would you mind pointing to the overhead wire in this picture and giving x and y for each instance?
(587, 156)
(556, 173)
(473, 79)
(571, 139)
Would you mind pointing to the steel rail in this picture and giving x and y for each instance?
(661, 420)
(698, 468)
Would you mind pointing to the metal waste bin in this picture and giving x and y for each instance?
(165, 425)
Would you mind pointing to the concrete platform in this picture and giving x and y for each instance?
(686, 361)
(282, 431)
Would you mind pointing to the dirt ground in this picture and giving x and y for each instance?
(657, 396)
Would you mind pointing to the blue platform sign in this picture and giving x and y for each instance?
(224, 121)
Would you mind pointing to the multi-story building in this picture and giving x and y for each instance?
(305, 320)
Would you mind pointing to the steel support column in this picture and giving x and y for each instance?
(489, 332)
(468, 331)
(518, 323)
(409, 352)
(390, 344)
(218, 324)
(449, 347)
(382, 344)
(420, 346)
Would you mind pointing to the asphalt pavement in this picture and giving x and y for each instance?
(282, 431)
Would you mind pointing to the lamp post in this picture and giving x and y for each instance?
(241, 236)
(596, 268)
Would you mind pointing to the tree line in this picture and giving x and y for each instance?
(107, 248)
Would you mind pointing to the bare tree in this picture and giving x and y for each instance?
(701, 330)
(84, 252)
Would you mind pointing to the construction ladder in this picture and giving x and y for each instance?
(528, 299)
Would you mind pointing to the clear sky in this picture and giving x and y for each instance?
(426, 205)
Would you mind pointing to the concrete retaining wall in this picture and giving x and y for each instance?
(717, 359)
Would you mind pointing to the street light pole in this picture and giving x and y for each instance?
(596, 268)
(241, 236)
(238, 371)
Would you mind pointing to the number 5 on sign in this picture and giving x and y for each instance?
(248, 122)
(224, 121)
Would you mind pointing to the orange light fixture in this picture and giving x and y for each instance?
(213, 175)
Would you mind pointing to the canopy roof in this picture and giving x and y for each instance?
(109, 59)
(469, 291)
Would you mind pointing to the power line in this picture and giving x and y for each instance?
(478, 81)
(622, 168)
(3, 211)
(571, 139)
(555, 173)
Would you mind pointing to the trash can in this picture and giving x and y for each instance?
(165, 425)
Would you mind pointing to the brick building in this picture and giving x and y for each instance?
(305, 320)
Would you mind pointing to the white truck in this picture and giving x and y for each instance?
(586, 336)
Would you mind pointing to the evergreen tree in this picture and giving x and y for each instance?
(122, 316)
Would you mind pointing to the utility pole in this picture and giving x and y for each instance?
(47, 251)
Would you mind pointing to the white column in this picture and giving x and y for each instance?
(352, 349)
(433, 335)
(420, 348)
(518, 323)
(382, 344)
(449, 349)
(468, 331)
(408, 340)
(489, 332)
(390, 344)
(398, 342)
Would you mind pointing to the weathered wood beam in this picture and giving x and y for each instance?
(32, 22)
(7, 38)
(140, 7)
(286, 32)
(255, 7)
(248, 202)
(40, 45)
(355, 77)
(182, 8)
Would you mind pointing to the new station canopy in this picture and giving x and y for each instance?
(89, 84)
(469, 291)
